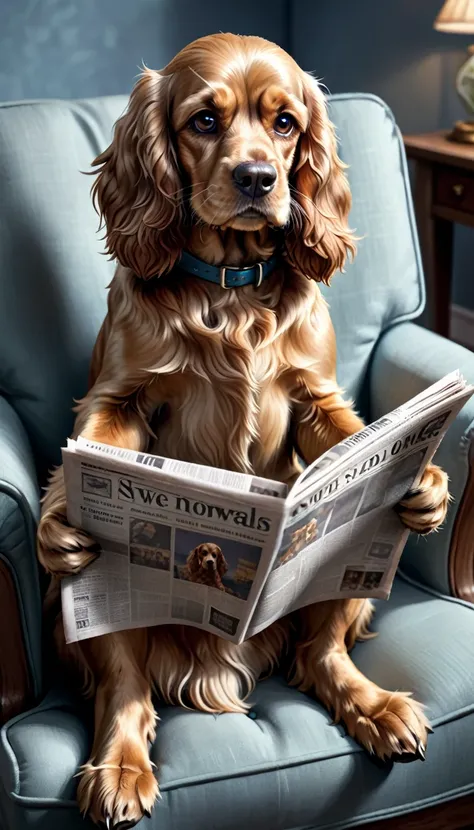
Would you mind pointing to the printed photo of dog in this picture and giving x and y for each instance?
(225, 564)
(206, 565)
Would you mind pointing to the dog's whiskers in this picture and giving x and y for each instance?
(200, 192)
(183, 189)
(207, 197)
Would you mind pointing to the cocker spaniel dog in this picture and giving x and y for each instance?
(224, 160)
(206, 565)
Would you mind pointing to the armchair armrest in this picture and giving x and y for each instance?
(407, 359)
(20, 601)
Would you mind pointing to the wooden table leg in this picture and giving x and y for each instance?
(443, 232)
(436, 240)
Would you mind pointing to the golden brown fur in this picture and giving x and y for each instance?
(242, 379)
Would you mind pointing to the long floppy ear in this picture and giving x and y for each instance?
(193, 561)
(138, 184)
(320, 240)
(221, 564)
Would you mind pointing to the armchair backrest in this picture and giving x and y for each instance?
(53, 277)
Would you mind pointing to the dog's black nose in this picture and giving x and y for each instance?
(254, 178)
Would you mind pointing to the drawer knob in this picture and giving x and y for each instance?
(458, 189)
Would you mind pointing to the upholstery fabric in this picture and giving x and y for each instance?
(286, 766)
(19, 510)
(367, 299)
(407, 359)
(53, 277)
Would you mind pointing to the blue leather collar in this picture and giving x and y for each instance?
(225, 276)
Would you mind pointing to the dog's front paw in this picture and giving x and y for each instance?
(117, 796)
(63, 550)
(424, 509)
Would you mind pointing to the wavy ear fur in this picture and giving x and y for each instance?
(221, 564)
(320, 244)
(193, 561)
(138, 184)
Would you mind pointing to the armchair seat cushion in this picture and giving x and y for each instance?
(285, 765)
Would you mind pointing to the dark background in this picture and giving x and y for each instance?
(79, 48)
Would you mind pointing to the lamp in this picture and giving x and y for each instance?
(457, 17)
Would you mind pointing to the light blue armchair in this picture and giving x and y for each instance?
(287, 766)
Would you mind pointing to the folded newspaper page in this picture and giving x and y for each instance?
(231, 553)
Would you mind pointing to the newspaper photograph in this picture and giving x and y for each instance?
(231, 553)
(341, 545)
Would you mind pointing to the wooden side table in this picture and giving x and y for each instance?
(444, 194)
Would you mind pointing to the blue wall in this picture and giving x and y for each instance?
(76, 48)
(389, 47)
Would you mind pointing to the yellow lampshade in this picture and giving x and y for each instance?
(456, 16)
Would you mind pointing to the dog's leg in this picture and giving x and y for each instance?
(323, 422)
(117, 785)
(62, 549)
(389, 724)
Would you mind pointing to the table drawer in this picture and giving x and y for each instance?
(453, 189)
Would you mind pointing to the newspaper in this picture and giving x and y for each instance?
(231, 553)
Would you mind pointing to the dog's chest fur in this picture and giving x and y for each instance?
(237, 418)
(225, 365)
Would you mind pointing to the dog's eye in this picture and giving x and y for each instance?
(204, 122)
(284, 124)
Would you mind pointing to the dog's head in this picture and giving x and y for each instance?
(231, 134)
(207, 557)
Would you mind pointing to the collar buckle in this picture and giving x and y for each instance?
(222, 273)
(224, 268)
